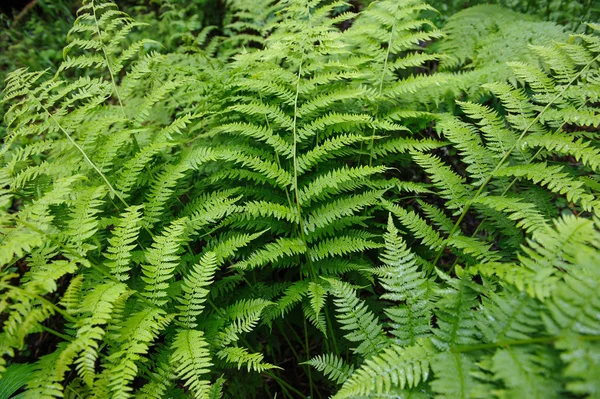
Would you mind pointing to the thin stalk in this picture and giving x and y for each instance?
(112, 76)
(85, 156)
(539, 340)
(110, 71)
(282, 383)
(308, 358)
(51, 305)
(332, 331)
(385, 63)
(56, 333)
(286, 338)
(287, 193)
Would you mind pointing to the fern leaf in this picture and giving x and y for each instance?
(241, 357)
(453, 187)
(454, 377)
(394, 367)
(192, 301)
(332, 366)
(191, 355)
(403, 282)
(122, 242)
(355, 317)
(272, 252)
(553, 178)
(162, 260)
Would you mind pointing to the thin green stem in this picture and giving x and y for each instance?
(110, 71)
(381, 78)
(282, 383)
(307, 348)
(331, 330)
(539, 340)
(56, 333)
(51, 305)
(287, 339)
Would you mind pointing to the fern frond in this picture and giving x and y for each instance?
(339, 180)
(340, 208)
(135, 336)
(241, 357)
(200, 276)
(417, 225)
(341, 245)
(456, 323)
(272, 252)
(532, 379)
(452, 187)
(162, 260)
(243, 316)
(553, 178)
(454, 376)
(355, 317)
(122, 242)
(403, 282)
(192, 357)
(394, 367)
(332, 366)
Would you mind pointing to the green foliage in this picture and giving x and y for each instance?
(296, 199)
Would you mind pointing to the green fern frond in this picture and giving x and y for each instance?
(272, 252)
(162, 260)
(355, 317)
(553, 178)
(525, 214)
(456, 323)
(243, 316)
(192, 359)
(342, 245)
(332, 366)
(404, 283)
(241, 357)
(454, 377)
(135, 336)
(122, 242)
(200, 276)
(524, 373)
(340, 208)
(339, 180)
(452, 186)
(417, 225)
(394, 367)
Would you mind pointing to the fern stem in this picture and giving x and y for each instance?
(287, 193)
(287, 339)
(295, 165)
(295, 149)
(112, 76)
(85, 156)
(385, 63)
(330, 325)
(308, 359)
(507, 154)
(51, 305)
(539, 340)
(284, 384)
(56, 333)
(293, 330)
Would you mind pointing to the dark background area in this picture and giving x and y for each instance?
(12, 6)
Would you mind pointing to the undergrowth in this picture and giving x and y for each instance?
(305, 199)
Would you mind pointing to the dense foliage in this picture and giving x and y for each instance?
(305, 199)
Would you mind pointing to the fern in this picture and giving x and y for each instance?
(341, 199)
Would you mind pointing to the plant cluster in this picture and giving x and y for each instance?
(308, 199)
